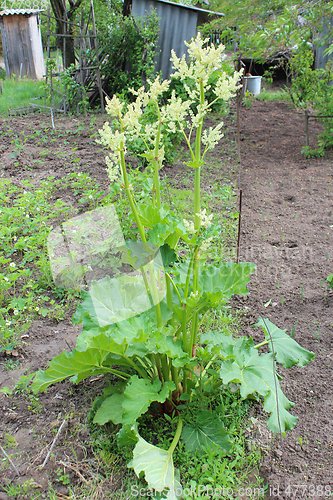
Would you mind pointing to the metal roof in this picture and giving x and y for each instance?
(11, 12)
(191, 7)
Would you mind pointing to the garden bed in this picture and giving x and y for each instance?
(286, 231)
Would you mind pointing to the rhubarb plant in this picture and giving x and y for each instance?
(141, 320)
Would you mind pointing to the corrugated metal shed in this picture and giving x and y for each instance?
(10, 12)
(322, 59)
(177, 23)
(22, 43)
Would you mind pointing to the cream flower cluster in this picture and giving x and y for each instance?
(212, 136)
(176, 114)
(205, 245)
(156, 89)
(204, 61)
(205, 221)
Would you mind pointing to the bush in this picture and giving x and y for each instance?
(130, 44)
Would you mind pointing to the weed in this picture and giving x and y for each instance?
(26, 284)
(293, 328)
(10, 364)
(316, 333)
(329, 281)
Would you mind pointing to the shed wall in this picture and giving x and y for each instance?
(321, 59)
(176, 25)
(22, 46)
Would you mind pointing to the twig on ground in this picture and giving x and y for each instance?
(9, 460)
(52, 445)
(69, 466)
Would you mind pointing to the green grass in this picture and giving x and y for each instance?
(270, 95)
(20, 93)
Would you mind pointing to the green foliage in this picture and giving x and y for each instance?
(323, 104)
(76, 95)
(264, 28)
(304, 80)
(27, 289)
(312, 89)
(19, 93)
(329, 281)
(130, 43)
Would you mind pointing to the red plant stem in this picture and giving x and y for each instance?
(239, 224)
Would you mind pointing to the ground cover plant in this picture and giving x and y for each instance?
(145, 329)
(23, 91)
(27, 212)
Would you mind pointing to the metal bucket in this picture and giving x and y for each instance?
(253, 84)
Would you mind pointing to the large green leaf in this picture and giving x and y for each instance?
(287, 351)
(128, 406)
(205, 433)
(127, 436)
(225, 346)
(163, 341)
(150, 216)
(110, 409)
(228, 278)
(82, 364)
(157, 465)
(132, 330)
(113, 300)
(140, 393)
(256, 375)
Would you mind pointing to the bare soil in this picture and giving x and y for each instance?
(287, 231)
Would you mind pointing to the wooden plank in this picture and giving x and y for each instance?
(4, 46)
(98, 74)
(25, 110)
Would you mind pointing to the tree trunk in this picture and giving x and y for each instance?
(59, 11)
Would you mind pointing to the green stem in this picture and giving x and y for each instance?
(168, 290)
(136, 367)
(197, 220)
(198, 160)
(174, 373)
(194, 332)
(120, 374)
(165, 367)
(155, 161)
(154, 291)
(170, 280)
(188, 277)
(158, 366)
(203, 373)
(185, 343)
(130, 197)
(177, 437)
(265, 342)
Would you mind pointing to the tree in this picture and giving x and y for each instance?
(266, 27)
(62, 14)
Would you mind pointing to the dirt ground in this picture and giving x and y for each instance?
(287, 231)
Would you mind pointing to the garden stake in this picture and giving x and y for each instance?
(52, 445)
(9, 460)
(239, 225)
(277, 408)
